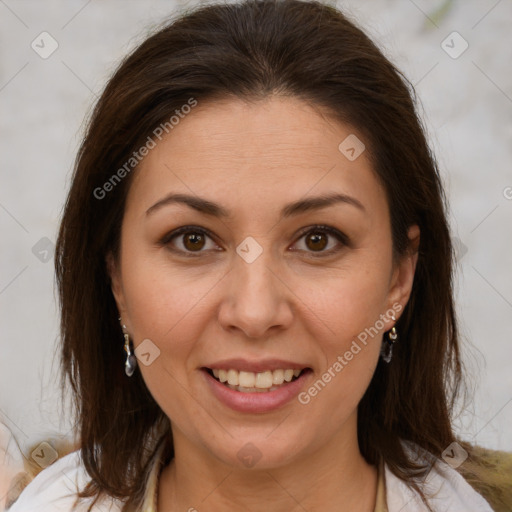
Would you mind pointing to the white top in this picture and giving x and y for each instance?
(53, 490)
(12, 469)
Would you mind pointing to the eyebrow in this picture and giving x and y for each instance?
(215, 210)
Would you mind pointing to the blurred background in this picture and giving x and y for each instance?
(55, 58)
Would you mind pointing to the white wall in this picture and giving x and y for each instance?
(468, 109)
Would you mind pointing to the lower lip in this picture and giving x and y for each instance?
(256, 402)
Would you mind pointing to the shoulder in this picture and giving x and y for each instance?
(490, 473)
(443, 487)
(55, 489)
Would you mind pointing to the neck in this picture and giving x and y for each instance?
(333, 478)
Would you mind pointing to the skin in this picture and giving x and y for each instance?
(293, 302)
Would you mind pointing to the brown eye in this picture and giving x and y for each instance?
(193, 241)
(316, 241)
(189, 241)
(323, 240)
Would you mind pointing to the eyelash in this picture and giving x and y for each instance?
(341, 237)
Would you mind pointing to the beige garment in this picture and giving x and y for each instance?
(380, 501)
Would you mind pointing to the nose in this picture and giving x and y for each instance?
(255, 299)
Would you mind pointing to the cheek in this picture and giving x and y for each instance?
(350, 346)
(349, 301)
(160, 296)
(348, 308)
(166, 306)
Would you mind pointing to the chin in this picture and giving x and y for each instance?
(258, 452)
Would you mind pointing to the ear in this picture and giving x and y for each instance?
(403, 274)
(114, 272)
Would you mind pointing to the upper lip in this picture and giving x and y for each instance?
(255, 366)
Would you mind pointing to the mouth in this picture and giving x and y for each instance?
(256, 382)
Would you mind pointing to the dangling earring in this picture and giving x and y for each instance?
(131, 362)
(386, 351)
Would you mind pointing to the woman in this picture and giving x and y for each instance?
(255, 274)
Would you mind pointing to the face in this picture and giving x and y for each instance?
(249, 272)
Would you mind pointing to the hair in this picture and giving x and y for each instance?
(251, 51)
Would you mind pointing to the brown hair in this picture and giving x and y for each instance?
(251, 50)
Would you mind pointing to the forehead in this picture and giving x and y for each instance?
(276, 149)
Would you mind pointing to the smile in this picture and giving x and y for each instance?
(255, 392)
(251, 382)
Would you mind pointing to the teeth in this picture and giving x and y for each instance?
(252, 390)
(233, 378)
(250, 381)
(246, 379)
(263, 380)
(277, 377)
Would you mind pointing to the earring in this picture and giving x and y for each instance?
(131, 362)
(386, 351)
